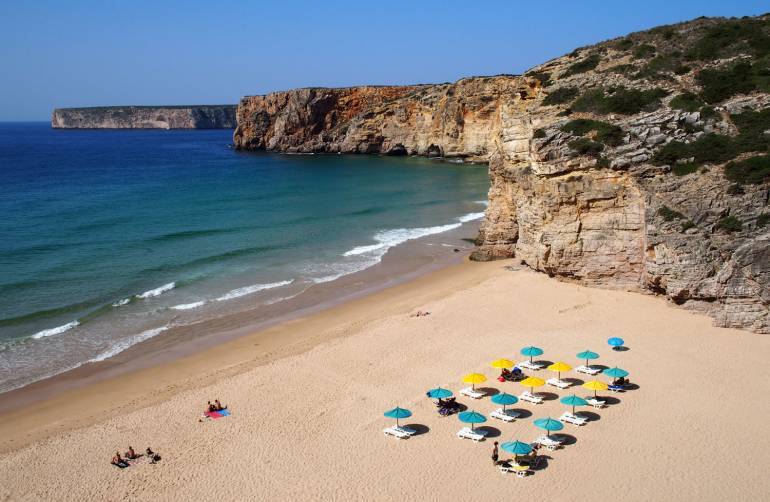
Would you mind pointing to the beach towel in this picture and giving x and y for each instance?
(218, 414)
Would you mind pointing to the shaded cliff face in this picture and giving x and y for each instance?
(638, 163)
(145, 117)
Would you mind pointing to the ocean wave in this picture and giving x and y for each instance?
(237, 293)
(128, 343)
(470, 217)
(188, 306)
(483, 202)
(157, 291)
(122, 302)
(55, 331)
(386, 239)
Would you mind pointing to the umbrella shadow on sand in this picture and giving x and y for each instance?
(610, 400)
(566, 439)
(419, 429)
(622, 348)
(492, 432)
(631, 386)
(522, 412)
(548, 396)
(542, 462)
(574, 381)
(489, 391)
(590, 415)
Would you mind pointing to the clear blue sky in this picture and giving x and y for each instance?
(90, 53)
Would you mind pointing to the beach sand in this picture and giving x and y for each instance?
(307, 399)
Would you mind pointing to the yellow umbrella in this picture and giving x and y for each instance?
(532, 382)
(595, 385)
(503, 363)
(559, 367)
(474, 378)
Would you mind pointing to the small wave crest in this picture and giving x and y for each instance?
(120, 303)
(157, 291)
(128, 343)
(237, 293)
(386, 239)
(55, 331)
(188, 306)
(470, 217)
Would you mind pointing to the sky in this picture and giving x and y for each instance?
(95, 53)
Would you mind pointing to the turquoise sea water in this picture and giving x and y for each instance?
(110, 237)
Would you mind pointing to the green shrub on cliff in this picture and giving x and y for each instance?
(732, 37)
(729, 224)
(624, 44)
(669, 214)
(721, 83)
(608, 134)
(543, 77)
(752, 171)
(539, 133)
(584, 146)
(763, 219)
(644, 51)
(583, 66)
(686, 101)
(560, 96)
(752, 126)
(618, 100)
(710, 148)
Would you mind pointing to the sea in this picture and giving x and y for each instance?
(109, 238)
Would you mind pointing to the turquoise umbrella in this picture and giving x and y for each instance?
(398, 413)
(472, 417)
(587, 354)
(516, 447)
(616, 342)
(573, 401)
(615, 372)
(531, 351)
(504, 399)
(439, 393)
(549, 424)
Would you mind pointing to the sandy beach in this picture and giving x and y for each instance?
(308, 396)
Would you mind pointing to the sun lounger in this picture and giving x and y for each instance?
(531, 365)
(552, 443)
(596, 403)
(588, 370)
(558, 383)
(573, 419)
(529, 397)
(519, 470)
(617, 388)
(474, 434)
(507, 415)
(405, 430)
(470, 392)
(396, 432)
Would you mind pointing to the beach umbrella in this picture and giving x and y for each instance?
(531, 351)
(532, 382)
(615, 342)
(595, 385)
(503, 363)
(573, 401)
(549, 424)
(615, 372)
(472, 417)
(559, 367)
(504, 399)
(587, 354)
(439, 393)
(398, 413)
(474, 378)
(516, 447)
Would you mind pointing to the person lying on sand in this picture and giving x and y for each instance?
(219, 406)
(118, 461)
(154, 457)
(131, 454)
(420, 313)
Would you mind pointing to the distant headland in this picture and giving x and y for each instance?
(145, 117)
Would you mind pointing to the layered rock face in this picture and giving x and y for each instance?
(639, 163)
(145, 117)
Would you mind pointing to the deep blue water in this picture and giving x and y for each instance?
(107, 236)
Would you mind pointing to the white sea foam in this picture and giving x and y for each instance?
(157, 291)
(56, 331)
(470, 217)
(389, 238)
(122, 302)
(127, 343)
(484, 202)
(188, 306)
(237, 293)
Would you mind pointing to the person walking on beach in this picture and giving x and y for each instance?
(495, 454)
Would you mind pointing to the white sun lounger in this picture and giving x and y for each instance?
(558, 383)
(519, 470)
(588, 370)
(405, 430)
(617, 388)
(531, 365)
(396, 432)
(474, 434)
(470, 392)
(596, 403)
(550, 443)
(507, 415)
(529, 397)
(573, 419)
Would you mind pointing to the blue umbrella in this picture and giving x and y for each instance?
(439, 393)
(615, 342)
(549, 424)
(615, 372)
(398, 413)
(531, 351)
(587, 354)
(472, 417)
(516, 447)
(504, 399)
(573, 401)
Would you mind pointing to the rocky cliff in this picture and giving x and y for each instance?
(638, 163)
(145, 117)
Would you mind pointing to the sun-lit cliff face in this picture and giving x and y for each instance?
(638, 163)
(145, 117)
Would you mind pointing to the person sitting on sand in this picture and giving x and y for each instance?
(219, 406)
(505, 374)
(118, 461)
(211, 407)
(154, 457)
(131, 454)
